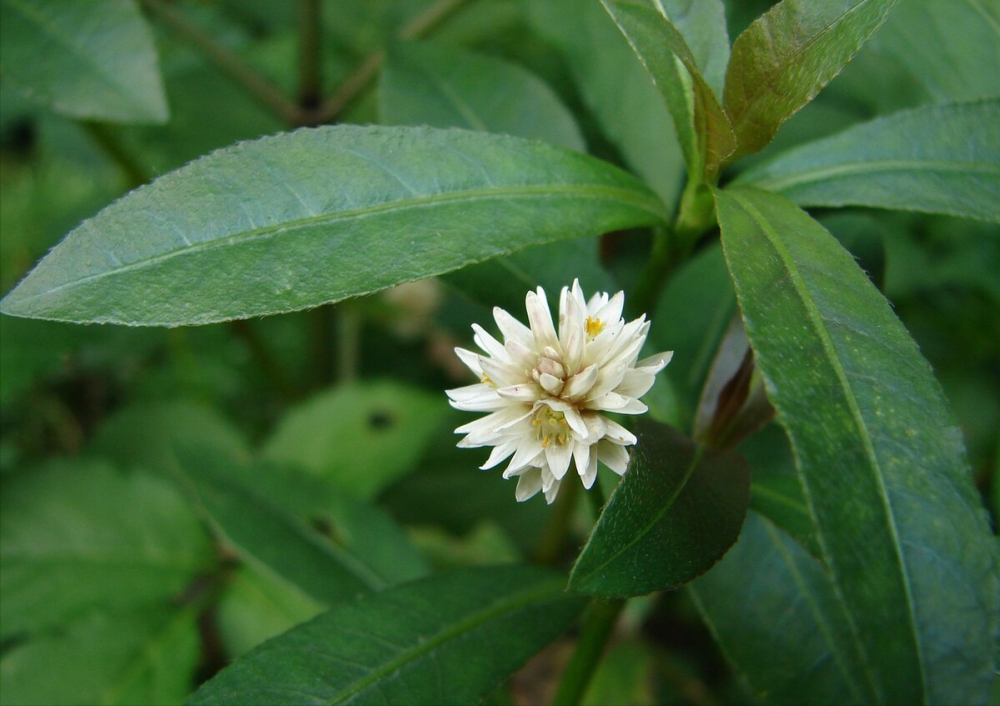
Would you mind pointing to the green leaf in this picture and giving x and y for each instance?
(775, 613)
(267, 537)
(702, 128)
(679, 502)
(951, 48)
(137, 657)
(615, 87)
(442, 86)
(372, 434)
(92, 60)
(79, 535)
(448, 639)
(900, 524)
(256, 606)
(935, 159)
(318, 215)
(504, 281)
(782, 60)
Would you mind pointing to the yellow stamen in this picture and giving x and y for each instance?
(594, 326)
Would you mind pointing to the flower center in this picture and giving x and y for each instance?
(594, 327)
(549, 372)
(550, 426)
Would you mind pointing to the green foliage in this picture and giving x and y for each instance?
(273, 509)
(93, 60)
(873, 456)
(660, 510)
(293, 200)
(935, 159)
(408, 645)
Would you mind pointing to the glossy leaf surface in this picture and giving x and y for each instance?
(442, 86)
(93, 60)
(702, 126)
(318, 215)
(775, 613)
(674, 514)
(936, 159)
(899, 523)
(407, 645)
(785, 57)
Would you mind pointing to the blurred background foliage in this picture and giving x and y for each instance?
(113, 580)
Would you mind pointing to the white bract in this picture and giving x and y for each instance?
(546, 392)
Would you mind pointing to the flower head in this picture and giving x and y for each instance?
(546, 391)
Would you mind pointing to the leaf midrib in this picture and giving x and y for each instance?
(471, 622)
(918, 166)
(815, 318)
(34, 17)
(620, 194)
(638, 536)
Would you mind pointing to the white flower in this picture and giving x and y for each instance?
(545, 392)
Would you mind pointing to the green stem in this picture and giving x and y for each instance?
(349, 343)
(598, 623)
(105, 137)
(365, 73)
(653, 275)
(310, 56)
(557, 530)
(226, 61)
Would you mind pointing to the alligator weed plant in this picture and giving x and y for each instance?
(707, 288)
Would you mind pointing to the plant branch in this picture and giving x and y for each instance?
(598, 622)
(365, 73)
(226, 61)
(310, 56)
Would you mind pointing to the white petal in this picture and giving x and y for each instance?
(552, 492)
(613, 456)
(654, 363)
(632, 406)
(581, 454)
(576, 423)
(492, 422)
(617, 434)
(581, 383)
(499, 453)
(521, 354)
(512, 329)
(528, 485)
(611, 310)
(485, 340)
(558, 457)
(525, 392)
(608, 378)
(503, 375)
(486, 403)
(596, 303)
(529, 449)
(540, 318)
(596, 423)
(471, 360)
(550, 383)
(510, 426)
(590, 475)
(572, 331)
(613, 402)
(636, 383)
(469, 392)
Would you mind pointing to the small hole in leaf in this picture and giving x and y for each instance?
(380, 420)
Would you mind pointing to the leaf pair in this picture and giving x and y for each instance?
(777, 66)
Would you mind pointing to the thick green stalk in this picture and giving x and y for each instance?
(598, 623)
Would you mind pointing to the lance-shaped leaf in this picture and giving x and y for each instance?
(92, 59)
(774, 611)
(936, 159)
(785, 58)
(678, 509)
(898, 521)
(318, 215)
(447, 639)
(702, 128)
